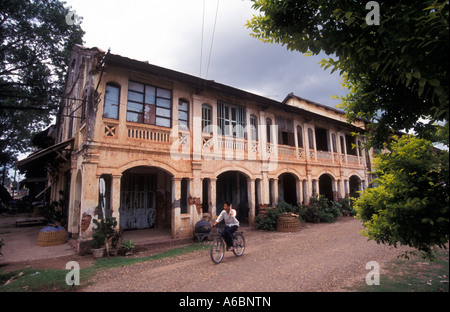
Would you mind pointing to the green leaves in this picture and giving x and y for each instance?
(36, 44)
(399, 67)
(410, 204)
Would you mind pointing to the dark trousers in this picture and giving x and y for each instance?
(227, 234)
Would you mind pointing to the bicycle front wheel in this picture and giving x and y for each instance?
(238, 245)
(217, 250)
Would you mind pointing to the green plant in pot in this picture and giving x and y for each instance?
(114, 243)
(97, 243)
(103, 232)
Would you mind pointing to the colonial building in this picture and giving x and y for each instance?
(171, 148)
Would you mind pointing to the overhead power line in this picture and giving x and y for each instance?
(212, 39)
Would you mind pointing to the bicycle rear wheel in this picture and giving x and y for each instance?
(217, 250)
(238, 245)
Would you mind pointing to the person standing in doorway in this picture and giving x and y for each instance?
(228, 214)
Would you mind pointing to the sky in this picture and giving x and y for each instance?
(187, 35)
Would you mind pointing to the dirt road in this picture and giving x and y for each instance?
(322, 257)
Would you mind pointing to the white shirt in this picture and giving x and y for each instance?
(230, 218)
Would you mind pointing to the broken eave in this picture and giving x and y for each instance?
(47, 155)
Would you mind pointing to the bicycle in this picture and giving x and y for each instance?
(217, 250)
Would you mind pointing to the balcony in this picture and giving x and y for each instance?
(136, 134)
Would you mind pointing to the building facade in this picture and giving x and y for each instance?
(170, 148)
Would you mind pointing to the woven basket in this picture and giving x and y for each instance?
(288, 222)
(52, 238)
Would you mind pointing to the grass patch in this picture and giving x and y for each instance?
(36, 280)
(413, 275)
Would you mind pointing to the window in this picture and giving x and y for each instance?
(285, 131)
(310, 138)
(253, 128)
(111, 107)
(322, 139)
(351, 144)
(299, 136)
(341, 138)
(231, 120)
(184, 195)
(183, 115)
(269, 129)
(149, 105)
(206, 118)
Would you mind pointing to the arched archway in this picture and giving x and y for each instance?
(355, 186)
(145, 198)
(287, 188)
(326, 186)
(232, 186)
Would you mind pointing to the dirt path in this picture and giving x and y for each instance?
(322, 257)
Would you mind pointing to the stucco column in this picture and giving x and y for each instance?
(346, 189)
(197, 141)
(196, 193)
(274, 191)
(265, 189)
(89, 198)
(298, 190)
(305, 192)
(251, 200)
(175, 218)
(314, 187)
(212, 198)
(335, 190)
(115, 197)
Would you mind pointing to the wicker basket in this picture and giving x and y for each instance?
(52, 238)
(288, 222)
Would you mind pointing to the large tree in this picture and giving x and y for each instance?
(396, 72)
(36, 42)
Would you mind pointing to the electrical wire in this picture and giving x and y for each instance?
(201, 42)
(212, 39)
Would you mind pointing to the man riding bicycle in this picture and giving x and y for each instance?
(228, 214)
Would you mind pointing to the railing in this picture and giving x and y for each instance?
(324, 155)
(286, 150)
(148, 134)
(352, 159)
(227, 145)
(232, 143)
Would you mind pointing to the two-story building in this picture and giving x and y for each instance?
(171, 147)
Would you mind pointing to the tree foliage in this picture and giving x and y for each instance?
(397, 76)
(410, 205)
(36, 42)
(396, 72)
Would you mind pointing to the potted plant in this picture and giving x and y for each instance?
(103, 233)
(114, 240)
(128, 245)
(97, 243)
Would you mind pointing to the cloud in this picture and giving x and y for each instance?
(169, 34)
